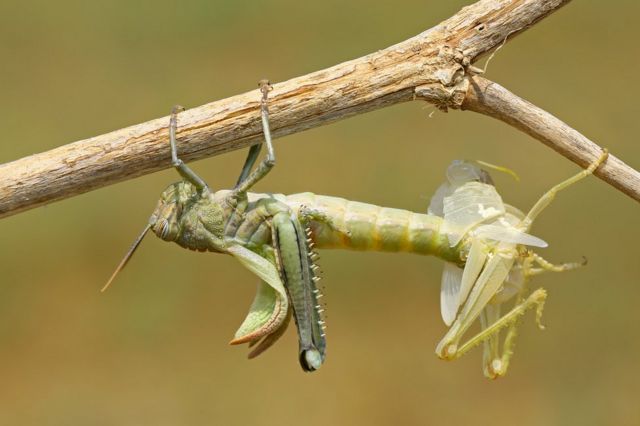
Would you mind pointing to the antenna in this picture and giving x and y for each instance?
(127, 256)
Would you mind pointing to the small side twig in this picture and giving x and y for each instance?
(489, 98)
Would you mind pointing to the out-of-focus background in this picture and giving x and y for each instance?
(153, 349)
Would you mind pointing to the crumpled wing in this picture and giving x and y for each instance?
(269, 309)
(265, 316)
(264, 344)
(469, 205)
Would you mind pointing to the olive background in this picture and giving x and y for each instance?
(153, 349)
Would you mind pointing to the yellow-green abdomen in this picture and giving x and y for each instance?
(360, 226)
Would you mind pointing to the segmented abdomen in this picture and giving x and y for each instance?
(360, 226)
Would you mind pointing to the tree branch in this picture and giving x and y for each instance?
(434, 65)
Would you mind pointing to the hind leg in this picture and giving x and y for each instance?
(548, 197)
(497, 366)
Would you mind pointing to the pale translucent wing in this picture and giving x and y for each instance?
(259, 266)
(507, 234)
(436, 206)
(475, 262)
(449, 290)
(469, 205)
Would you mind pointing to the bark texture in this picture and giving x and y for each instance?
(434, 66)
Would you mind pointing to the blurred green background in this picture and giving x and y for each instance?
(153, 349)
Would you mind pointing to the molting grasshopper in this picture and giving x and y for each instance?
(483, 241)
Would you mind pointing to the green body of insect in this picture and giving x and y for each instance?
(481, 239)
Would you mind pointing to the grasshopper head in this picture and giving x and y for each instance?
(461, 172)
(165, 220)
(168, 219)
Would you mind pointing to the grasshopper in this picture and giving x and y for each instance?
(483, 241)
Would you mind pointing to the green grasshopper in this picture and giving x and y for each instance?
(483, 241)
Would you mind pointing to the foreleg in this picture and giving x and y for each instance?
(184, 170)
(246, 179)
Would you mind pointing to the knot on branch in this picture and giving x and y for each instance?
(452, 76)
(443, 97)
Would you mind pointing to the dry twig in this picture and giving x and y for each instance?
(434, 65)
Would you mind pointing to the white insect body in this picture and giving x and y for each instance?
(498, 262)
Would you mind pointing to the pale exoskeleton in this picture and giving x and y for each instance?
(498, 263)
